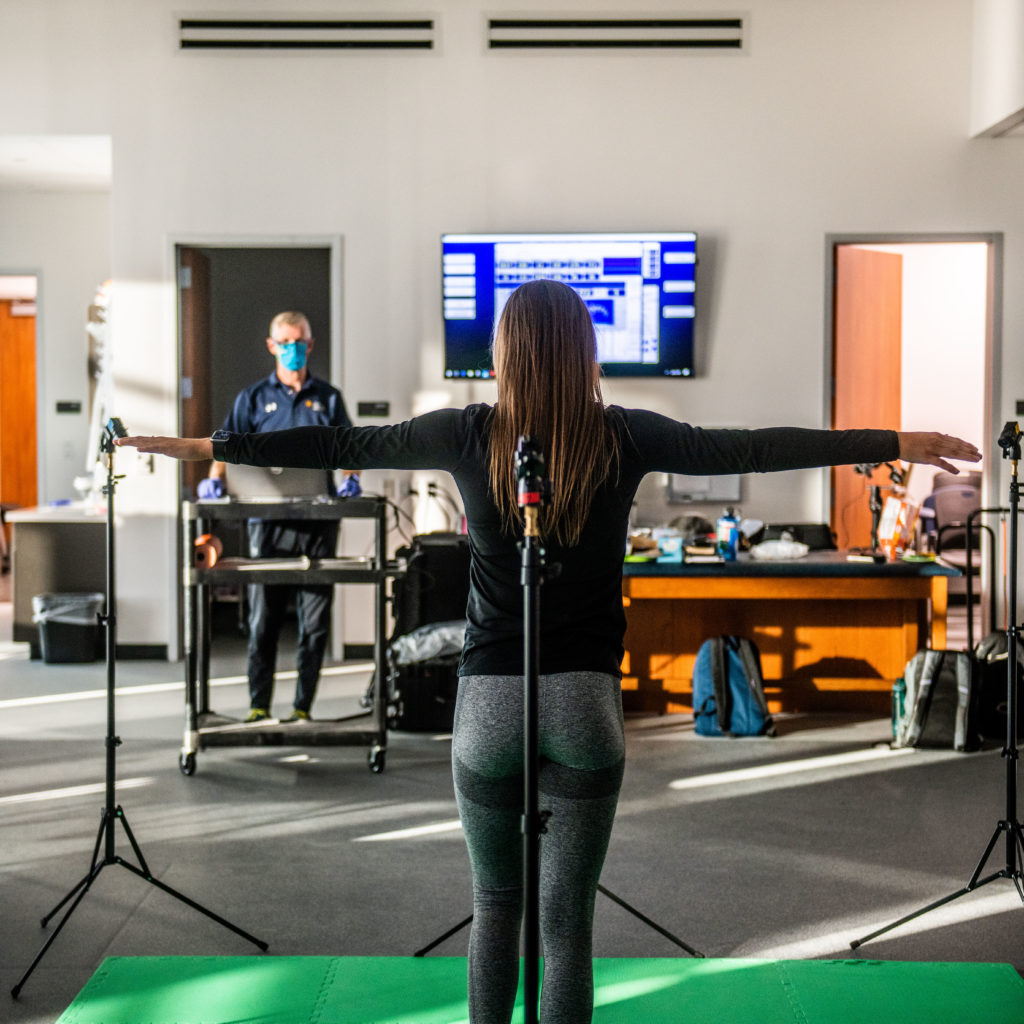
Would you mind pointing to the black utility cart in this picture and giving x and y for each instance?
(205, 728)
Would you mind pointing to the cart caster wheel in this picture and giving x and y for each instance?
(187, 764)
(376, 760)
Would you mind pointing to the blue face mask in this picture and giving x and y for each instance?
(292, 354)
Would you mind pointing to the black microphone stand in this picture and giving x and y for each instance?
(1009, 441)
(113, 812)
(875, 505)
(532, 488)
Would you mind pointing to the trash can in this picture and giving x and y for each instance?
(69, 630)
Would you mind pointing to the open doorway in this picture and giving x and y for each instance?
(912, 345)
(227, 295)
(18, 431)
(228, 291)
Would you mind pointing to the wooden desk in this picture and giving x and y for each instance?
(833, 634)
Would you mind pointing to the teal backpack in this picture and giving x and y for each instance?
(728, 689)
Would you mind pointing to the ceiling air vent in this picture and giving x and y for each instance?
(218, 33)
(597, 33)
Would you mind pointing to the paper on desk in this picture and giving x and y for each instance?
(779, 550)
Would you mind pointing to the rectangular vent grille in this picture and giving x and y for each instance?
(306, 34)
(615, 33)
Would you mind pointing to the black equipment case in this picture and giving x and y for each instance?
(433, 590)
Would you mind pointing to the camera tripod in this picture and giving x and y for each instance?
(112, 811)
(1009, 827)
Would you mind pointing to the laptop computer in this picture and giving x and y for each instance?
(272, 483)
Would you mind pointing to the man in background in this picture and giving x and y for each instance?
(290, 397)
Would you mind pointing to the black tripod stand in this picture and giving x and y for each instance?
(533, 491)
(113, 812)
(532, 488)
(1009, 827)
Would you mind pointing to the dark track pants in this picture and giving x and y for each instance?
(267, 610)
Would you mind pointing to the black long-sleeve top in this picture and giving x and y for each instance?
(582, 621)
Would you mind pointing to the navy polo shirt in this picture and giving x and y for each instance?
(270, 405)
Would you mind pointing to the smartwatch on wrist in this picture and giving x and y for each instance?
(220, 438)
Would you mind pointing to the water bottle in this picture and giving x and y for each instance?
(899, 697)
(728, 535)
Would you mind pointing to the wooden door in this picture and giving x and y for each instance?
(18, 464)
(194, 327)
(866, 373)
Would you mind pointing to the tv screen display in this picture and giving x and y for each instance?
(638, 286)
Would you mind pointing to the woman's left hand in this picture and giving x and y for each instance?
(934, 449)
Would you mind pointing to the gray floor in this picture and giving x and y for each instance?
(298, 845)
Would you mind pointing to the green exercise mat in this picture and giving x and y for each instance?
(432, 990)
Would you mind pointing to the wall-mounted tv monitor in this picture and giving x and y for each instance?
(638, 286)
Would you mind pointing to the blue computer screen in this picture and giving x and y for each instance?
(639, 288)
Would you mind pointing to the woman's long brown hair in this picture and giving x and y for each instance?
(545, 361)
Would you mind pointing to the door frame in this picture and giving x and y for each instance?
(993, 336)
(336, 272)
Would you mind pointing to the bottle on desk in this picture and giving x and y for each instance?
(899, 698)
(728, 535)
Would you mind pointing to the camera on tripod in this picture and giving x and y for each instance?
(1009, 440)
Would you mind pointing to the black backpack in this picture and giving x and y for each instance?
(990, 655)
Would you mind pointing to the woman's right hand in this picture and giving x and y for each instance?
(187, 449)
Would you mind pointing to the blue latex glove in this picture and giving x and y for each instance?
(210, 487)
(350, 487)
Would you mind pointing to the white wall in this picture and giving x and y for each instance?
(837, 118)
(997, 93)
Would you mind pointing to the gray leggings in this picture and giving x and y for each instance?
(582, 751)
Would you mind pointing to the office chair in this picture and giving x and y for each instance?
(952, 500)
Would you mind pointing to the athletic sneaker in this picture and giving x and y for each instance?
(257, 715)
(297, 716)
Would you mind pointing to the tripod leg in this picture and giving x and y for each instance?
(931, 906)
(650, 924)
(89, 875)
(1018, 864)
(85, 882)
(969, 887)
(1001, 827)
(143, 872)
(437, 942)
(192, 903)
(131, 839)
(82, 888)
(1018, 831)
